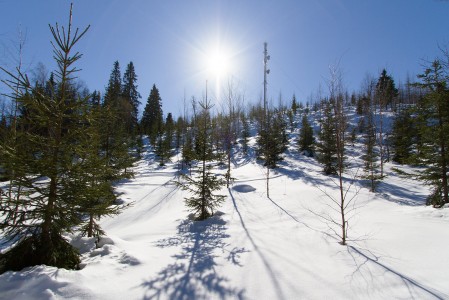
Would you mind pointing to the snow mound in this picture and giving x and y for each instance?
(105, 240)
(83, 244)
(244, 188)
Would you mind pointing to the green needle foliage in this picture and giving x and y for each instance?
(306, 138)
(204, 202)
(60, 174)
(434, 132)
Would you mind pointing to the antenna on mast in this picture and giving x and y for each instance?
(266, 71)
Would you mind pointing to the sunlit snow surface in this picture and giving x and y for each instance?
(257, 247)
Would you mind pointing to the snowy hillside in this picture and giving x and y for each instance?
(256, 247)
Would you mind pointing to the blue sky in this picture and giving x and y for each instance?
(169, 42)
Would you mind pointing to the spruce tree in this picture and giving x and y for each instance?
(116, 120)
(164, 141)
(188, 154)
(272, 140)
(385, 93)
(90, 182)
(114, 88)
(370, 156)
(386, 89)
(37, 219)
(306, 138)
(434, 132)
(179, 130)
(131, 96)
(291, 119)
(294, 106)
(327, 152)
(245, 133)
(403, 135)
(95, 99)
(202, 187)
(152, 121)
(169, 130)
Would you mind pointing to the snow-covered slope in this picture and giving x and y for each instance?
(256, 247)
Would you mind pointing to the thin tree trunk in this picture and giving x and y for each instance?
(90, 229)
(381, 148)
(268, 181)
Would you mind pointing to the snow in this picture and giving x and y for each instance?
(256, 247)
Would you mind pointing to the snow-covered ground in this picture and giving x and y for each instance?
(256, 247)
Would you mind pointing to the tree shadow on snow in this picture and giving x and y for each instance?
(268, 267)
(305, 168)
(364, 260)
(401, 195)
(193, 275)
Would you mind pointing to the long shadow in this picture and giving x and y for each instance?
(247, 158)
(296, 174)
(256, 248)
(298, 221)
(409, 282)
(193, 275)
(400, 194)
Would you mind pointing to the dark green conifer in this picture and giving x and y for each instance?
(272, 140)
(245, 133)
(327, 151)
(370, 158)
(131, 97)
(434, 132)
(294, 105)
(114, 88)
(204, 201)
(402, 139)
(37, 218)
(306, 138)
(151, 123)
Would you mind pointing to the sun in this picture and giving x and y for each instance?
(218, 62)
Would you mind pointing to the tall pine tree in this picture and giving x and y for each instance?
(131, 96)
(152, 119)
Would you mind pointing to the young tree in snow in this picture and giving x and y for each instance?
(204, 201)
(336, 96)
(90, 183)
(245, 132)
(164, 140)
(306, 139)
(272, 141)
(370, 157)
(402, 138)
(342, 204)
(327, 151)
(385, 92)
